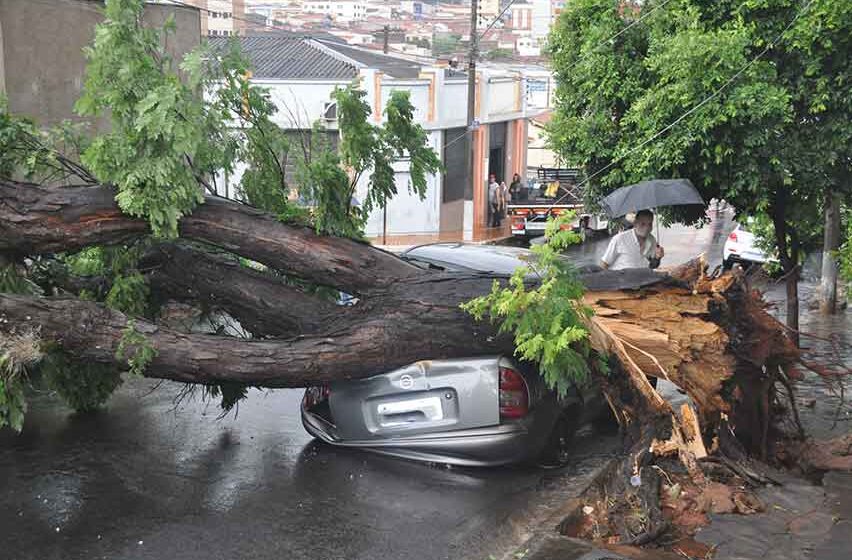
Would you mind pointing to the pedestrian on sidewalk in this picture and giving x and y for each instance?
(634, 248)
(504, 199)
(515, 188)
(494, 201)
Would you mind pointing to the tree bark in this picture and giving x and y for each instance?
(264, 304)
(788, 253)
(393, 331)
(831, 243)
(37, 220)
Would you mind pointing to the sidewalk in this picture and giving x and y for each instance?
(801, 521)
(400, 242)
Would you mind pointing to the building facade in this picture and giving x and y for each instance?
(42, 65)
(455, 205)
(219, 18)
(337, 10)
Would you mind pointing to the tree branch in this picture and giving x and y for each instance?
(37, 220)
(386, 339)
(263, 303)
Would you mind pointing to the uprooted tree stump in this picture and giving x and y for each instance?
(713, 339)
(709, 336)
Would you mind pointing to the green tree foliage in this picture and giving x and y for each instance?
(125, 288)
(445, 43)
(135, 349)
(19, 351)
(748, 99)
(41, 155)
(846, 259)
(364, 149)
(163, 142)
(84, 386)
(175, 126)
(546, 319)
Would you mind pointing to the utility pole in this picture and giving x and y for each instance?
(473, 54)
(385, 49)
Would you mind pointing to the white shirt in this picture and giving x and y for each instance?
(493, 192)
(624, 251)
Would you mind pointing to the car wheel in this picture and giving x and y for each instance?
(727, 264)
(555, 450)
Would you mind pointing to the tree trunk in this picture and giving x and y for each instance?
(264, 304)
(831, 243)
(37, 220)
(792, 289)
(788, 253)
(710, 336)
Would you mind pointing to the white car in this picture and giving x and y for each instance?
(741, 247)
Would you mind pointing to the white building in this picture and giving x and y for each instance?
(302, 73)
(418, 8)
(342, 11)
(527, 46)
(521, 17)
(219, 18)
(542, 18)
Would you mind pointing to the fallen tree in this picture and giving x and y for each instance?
(697, 336)
(710, 336)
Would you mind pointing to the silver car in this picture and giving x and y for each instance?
(478, 411)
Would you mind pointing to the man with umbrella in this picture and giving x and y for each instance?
(637, 248)
(634, 248)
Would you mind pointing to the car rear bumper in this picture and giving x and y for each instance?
(508, 442)
(750, 257)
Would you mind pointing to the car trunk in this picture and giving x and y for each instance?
(425, 397)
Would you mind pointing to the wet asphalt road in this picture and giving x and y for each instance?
(150, 479)
(145, 479)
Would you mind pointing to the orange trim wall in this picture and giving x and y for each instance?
(377, 101)
(480, 209)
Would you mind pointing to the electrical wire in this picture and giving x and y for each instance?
(589, 53)
(767, 48)
(496, 19)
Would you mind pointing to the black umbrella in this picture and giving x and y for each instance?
(655, 193)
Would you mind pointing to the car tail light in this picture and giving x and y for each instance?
(514, 396)
(520, 211)
(316, 395)
(733, 236)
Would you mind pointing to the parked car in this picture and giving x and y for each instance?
(477, 411)
(741, 247)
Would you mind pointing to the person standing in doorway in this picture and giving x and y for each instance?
(515, 188)
(494, 200)
(504, 199)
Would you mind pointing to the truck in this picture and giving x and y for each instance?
(552, 192)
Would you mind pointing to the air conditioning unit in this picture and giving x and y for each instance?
(329, 111)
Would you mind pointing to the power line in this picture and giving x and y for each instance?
(589, 53)
(496, 19)
(703, 102)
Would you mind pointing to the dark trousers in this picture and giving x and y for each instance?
(496, 215)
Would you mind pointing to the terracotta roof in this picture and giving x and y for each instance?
(543, 118)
